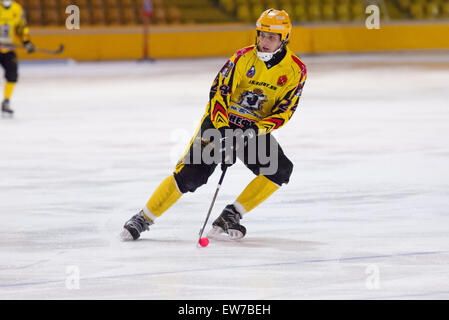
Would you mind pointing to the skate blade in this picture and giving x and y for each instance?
(215, 232)
(125, 235)
(219, 234)
(7, 115)
(235, 234)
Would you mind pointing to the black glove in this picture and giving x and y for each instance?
(226, 147)
(232, 140)
(250, 125)
(30, 48)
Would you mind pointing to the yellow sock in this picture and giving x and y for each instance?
(163, 198)
(9, 87)
(255, 193)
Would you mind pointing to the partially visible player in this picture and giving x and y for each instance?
(13, 27)
(257, 90)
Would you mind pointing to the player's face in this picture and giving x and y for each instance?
(269, 41)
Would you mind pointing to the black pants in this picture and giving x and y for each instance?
(8, 61)
(190, 174)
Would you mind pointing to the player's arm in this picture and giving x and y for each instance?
(23, 32)
(284, 109)
(224, 84)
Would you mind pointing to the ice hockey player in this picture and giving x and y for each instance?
(258, 89)
(12, 26)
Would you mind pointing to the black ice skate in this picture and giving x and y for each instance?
(228, 222)
(135, 226)
(6, 110)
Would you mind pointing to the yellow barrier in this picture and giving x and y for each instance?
(222, 40)
(388, 37)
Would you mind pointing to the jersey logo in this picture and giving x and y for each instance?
(252, 100)
(282, 80)
(251, 72)
(227, 69)
(298, 90)
(240, 121)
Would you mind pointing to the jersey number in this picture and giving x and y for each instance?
(4, 30)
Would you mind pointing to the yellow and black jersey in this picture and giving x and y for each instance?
(13, 26)
(249, 91)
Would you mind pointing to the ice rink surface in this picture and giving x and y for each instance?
(365, 215)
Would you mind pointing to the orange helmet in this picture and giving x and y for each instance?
(276, 21)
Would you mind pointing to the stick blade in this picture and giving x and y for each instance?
(60, 49)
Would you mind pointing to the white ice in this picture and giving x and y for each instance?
(364, 216)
